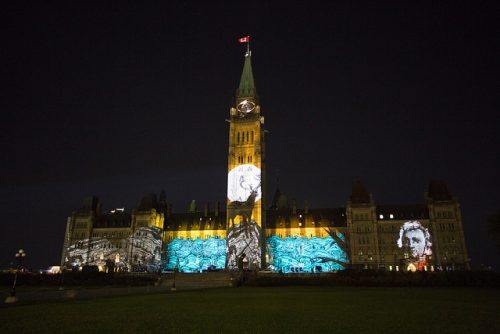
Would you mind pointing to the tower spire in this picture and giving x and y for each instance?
(246, 88)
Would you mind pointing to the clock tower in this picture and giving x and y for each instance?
(246, 175)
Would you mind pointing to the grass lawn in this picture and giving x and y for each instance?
(271, 310)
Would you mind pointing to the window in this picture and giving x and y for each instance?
(238, 138)
(248, 138)
(251, 137)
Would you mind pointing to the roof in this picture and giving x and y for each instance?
(326, 217)
(359, 194)
(148, 202)
(113, 220)
(280, 201)
(195, 221)
(247, 83)
(438, 191)
(321, 217)
(90, 204)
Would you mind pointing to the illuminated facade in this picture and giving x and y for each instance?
(280, 237)
(426, 236)
(116, 239)
(245, 175)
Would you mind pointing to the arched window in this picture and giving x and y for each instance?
(251, 137)
(248, 139)
(238, 138)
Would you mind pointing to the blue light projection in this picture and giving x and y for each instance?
(196, 255)
(302, 254)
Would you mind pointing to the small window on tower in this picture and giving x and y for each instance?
(251, 137)
(238, 138)
(248, 139)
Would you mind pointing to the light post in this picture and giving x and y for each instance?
(173, 288)
(19, 257)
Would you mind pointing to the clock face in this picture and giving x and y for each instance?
(242, 181)
(245, 106)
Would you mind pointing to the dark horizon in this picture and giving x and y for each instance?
(122, 101)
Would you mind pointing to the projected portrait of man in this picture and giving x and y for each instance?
(416, 239)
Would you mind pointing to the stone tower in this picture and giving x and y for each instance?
(246, 173)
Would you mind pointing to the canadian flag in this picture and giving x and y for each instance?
(245, 39)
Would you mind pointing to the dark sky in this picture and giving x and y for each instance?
(125, 100)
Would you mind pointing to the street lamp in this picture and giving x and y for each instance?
(19, 257)
(176, 267)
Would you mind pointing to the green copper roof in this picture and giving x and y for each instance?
(247, 84)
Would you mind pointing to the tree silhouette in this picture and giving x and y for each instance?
(342, 243)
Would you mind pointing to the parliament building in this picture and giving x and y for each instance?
(248, 233)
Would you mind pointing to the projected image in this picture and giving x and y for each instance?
(139, 252)
(145, 249)
(77, 253)
(98, 252)
(102, 251)
(243, 190)
(415, 239)
(244, 181)
(302, 254)
(243, 248)
(196, 255)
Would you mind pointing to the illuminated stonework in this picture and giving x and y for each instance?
(302, 254)
(390, 237)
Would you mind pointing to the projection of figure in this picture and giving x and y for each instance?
(242, 181)
(242, 192)
(415, 239)
(243, 239)
(302, 254)
(196, 255)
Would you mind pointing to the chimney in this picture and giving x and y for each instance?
(294, 206)
(217, 208)
(169, 209)
(206, 209)
(306, 207)
(192, 207)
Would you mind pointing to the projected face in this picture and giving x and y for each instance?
(416, 239)
(242, 182)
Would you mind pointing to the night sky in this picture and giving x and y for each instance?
(121, 101)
